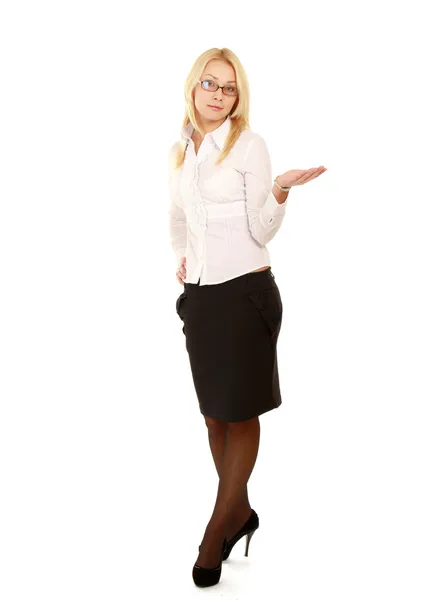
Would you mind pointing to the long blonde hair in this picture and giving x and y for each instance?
(239, 114)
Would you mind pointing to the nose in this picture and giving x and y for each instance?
(218, 94)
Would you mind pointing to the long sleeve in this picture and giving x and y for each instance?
(265, 214)
(177, 218)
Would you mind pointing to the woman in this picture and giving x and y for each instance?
(224, 209)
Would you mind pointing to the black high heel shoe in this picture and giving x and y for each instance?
(203, 576)
(247, 529)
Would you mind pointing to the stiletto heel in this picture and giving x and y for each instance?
(247, 529)
(248, 539)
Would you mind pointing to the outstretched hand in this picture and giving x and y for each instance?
(299, 177)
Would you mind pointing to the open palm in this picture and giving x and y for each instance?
(299, 176)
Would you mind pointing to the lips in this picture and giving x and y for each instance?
(214, 106)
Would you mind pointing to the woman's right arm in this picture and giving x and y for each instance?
(177, 218)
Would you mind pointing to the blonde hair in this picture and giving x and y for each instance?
(239, 114)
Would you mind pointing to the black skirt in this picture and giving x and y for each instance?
(231, 331)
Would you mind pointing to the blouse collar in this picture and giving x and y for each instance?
(219, 135)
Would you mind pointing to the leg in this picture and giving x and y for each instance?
(217, 433)
(238, 461)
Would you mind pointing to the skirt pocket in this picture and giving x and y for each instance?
(268, 304)
(179, 306)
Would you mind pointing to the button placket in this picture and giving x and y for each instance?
(200, 207)
(197, 213)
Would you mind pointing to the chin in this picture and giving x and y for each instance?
(216, 116)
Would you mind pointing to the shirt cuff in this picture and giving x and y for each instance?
(271, 210)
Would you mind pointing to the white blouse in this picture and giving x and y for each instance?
(222, 217)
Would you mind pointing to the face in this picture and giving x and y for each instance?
(221, 73)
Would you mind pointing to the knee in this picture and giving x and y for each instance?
(242, 426)
(215, 426)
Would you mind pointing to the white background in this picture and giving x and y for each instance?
(107, 481)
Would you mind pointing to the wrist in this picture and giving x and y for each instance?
(280, 196)
(280, 186)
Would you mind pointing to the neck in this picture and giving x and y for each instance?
(207, 125)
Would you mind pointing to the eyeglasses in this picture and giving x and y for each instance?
(211, 86)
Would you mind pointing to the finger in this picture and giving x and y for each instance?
(319, 171)
(304, 178)
(314, 175)
(306, 173)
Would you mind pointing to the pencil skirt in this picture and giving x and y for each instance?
(231, 331)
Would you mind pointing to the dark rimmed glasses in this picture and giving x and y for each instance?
(211, 86)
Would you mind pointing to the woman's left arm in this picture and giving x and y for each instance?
(265, 207)
(266, 203)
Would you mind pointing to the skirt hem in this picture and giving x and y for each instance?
(228, 420)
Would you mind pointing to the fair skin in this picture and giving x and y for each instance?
(222, 73)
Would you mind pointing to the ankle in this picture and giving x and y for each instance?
(241, 513)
